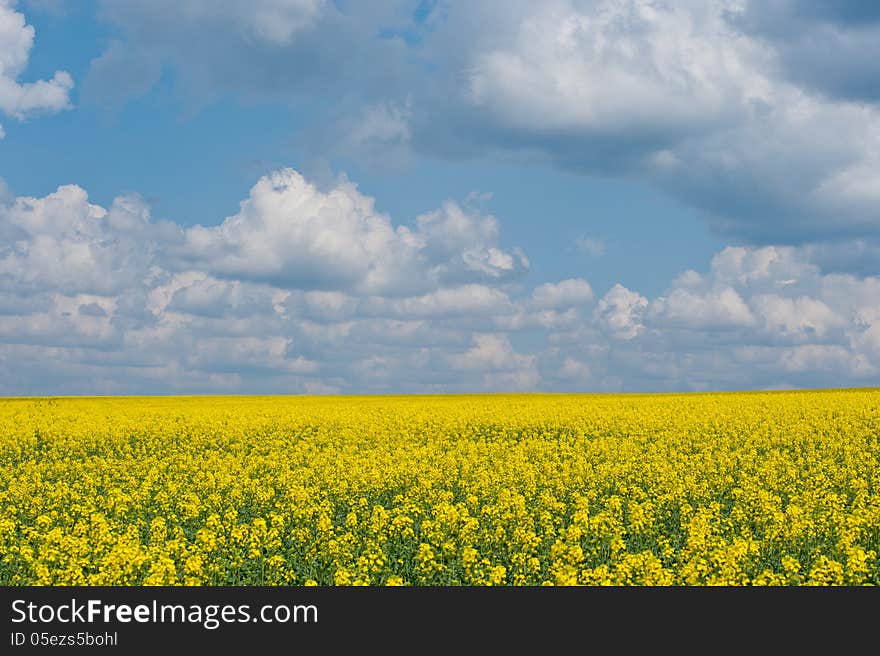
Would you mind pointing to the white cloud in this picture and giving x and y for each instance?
(716, 309)
(291, 235)
(788, 177)
(567, 293)
(620, 312)
(466, 300)
(503, 367)
(804, 318)
(62, 242)
(112, 301)
(748, 266)
(22, 100)
(574, 370)
(459, 245)
(623, 67)
(760, 317)
(686, 95)
(526, 317)
(238, 354)
(301, 289)
(490, 351)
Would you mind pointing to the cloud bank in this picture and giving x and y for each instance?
(308, 291)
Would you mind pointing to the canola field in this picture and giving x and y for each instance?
(777, 488)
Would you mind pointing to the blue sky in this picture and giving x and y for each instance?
(312, 196)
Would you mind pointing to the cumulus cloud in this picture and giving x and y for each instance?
(574, 370)
(466, 300)
(502, 366)
(20, 100)
(718, 308)
(620, 312)
(291, 235)
(61, 242)
(802, 318)
(634, 70)
(567, 293)
(688, 96)
(759, 317)
(301, 290)
(314, 291)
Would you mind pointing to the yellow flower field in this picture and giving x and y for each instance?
(778, 488)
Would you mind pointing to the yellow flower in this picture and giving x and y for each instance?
(775, 488)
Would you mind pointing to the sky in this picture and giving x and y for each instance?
(427, 196)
